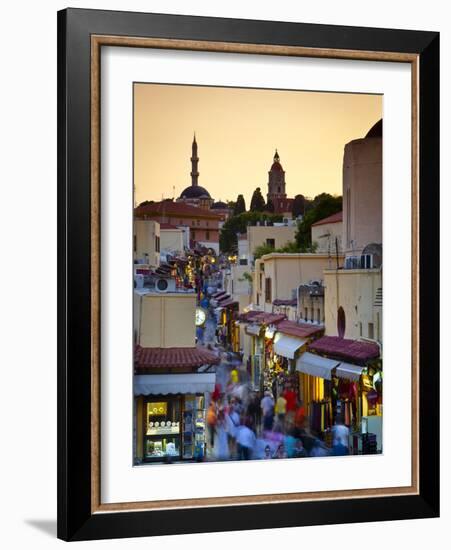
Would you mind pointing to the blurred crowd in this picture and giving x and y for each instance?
(244, 425)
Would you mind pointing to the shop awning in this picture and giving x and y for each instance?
(163, 384)
(349, 371)
(253, 330)
(316, 365)
(287, 346)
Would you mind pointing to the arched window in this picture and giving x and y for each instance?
(341, 322)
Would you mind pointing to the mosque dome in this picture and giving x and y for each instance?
(195, 192)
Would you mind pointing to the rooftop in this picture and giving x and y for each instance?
(170, 208)
(300, 330)
(334, 218)
(146, 358)
(262, 317)
(355, 351)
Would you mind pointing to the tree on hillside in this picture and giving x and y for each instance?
(323, 205)
(228, 238)
(269, 206)
(240, 206)
(257, 201)
(298, 208)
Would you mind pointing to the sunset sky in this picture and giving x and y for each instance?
(237, 132)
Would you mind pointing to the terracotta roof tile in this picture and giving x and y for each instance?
(262, 317)
(173, 357)
(300, 330)
(335, 218)
(354, 351)
(173, 208)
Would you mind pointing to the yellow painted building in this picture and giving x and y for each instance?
(277, 276)
(359, 293)
(272, 235)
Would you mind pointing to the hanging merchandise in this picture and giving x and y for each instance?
(321, 415)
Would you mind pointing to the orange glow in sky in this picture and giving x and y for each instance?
(237, 132)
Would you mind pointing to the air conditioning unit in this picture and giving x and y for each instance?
(366, 261)
(163, 284)
(352, 262)
(315, 282)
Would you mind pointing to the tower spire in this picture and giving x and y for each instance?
(194, 162)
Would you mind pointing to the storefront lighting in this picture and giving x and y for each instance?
(269, 332)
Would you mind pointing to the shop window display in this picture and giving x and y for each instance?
(162, 429)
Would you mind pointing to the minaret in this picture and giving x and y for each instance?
(194, 161)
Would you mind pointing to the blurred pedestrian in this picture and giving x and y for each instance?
(340, 433)
(291, 398)
(246, 442)
(222, 444)
(281, 409)
(267, 408)
(319, 449)
(211, 423)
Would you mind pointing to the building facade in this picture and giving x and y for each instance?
(203, 223)
(327, 234)
(278, 276)
(146, 242)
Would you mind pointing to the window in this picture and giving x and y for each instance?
(258, 298)
(260, 286)
(193, 235)
(360, 329)
(194, 222)
(378, 327)
(207, 235)
(371, 331)
(268, 298)
(306, 314)
(318, 316)
(271, 243)
(157, 243)
(341, 322)
(278, 189)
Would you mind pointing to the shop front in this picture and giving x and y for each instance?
(170, 416)
(227, 323)
(254, 332)
(334, 388)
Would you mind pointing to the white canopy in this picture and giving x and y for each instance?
(254, 329)
(287, 346)
(316, 365)
(156, 384)
(349, 371)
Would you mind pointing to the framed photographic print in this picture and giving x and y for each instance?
(248, 274)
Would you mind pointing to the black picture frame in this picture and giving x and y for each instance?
(75, 518)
